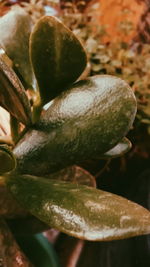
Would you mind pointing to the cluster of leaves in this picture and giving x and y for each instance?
(63, 135)
(129, 61)
(77, 126)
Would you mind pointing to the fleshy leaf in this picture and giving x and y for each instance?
(81, 211)
(120, 149)
(15, 28)
(82, 123)
(58, 57)
(12, 94)
(7, 160)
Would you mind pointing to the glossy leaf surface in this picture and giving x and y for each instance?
(120, 149)
(12, 94)
(80, 211)
(82, 123)
(15, 28)
(58, 57)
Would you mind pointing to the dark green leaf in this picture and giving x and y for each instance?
(120, 149)
(15, 28)
(82, 123)
(80, 211)
(58, 57)
(7, 160)
(12, 94)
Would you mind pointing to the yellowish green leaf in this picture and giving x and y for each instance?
(81, 211)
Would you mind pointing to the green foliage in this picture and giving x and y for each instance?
(121, 148)
(129, 61)
(15, 29)
(57, 56)
(13, 96)
(78, 125)
(85, 119)
(80, 211)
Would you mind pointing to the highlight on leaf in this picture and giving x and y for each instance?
(120, 149)
(80, 211)
(81, 123)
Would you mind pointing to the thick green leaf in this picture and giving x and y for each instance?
(120, 149)
(12, 94)
(80, 211)
(82, 123)
(7, 160)
(58, 57)
(15, 28)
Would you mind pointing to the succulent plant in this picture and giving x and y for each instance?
(83, 119)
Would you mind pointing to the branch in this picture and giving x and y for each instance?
(10, 253)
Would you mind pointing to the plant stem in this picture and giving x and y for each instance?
(14, 128)
(10, 253)
(37, 108)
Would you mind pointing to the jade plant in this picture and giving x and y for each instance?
(57, 122)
